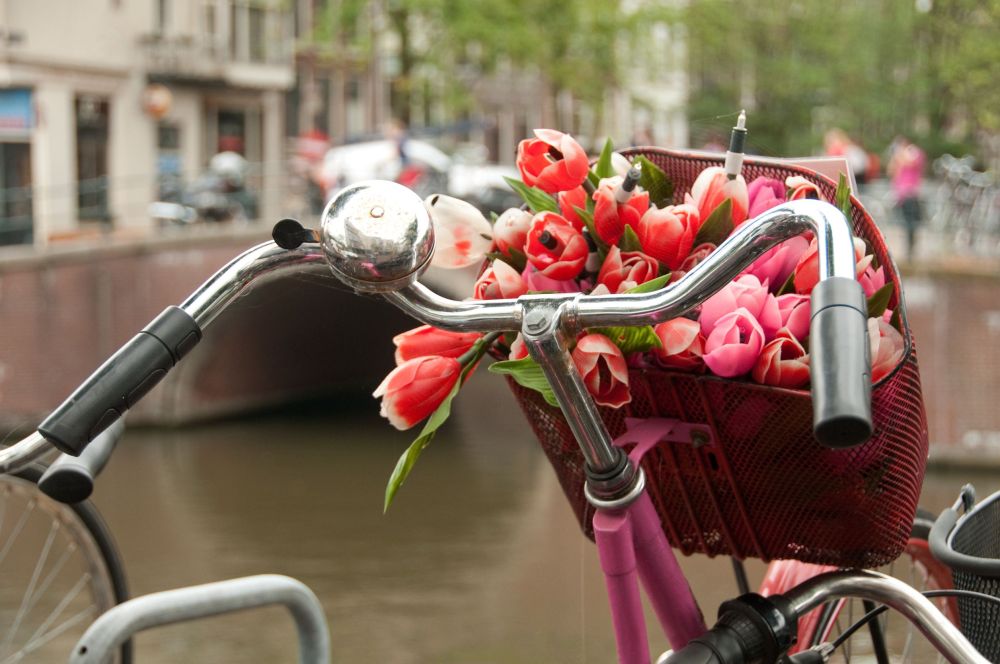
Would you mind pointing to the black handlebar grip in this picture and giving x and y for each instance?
(121, 381)
(841, 365)
(71, 479)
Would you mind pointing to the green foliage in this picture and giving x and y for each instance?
(630, 339)
(603, 168)
(718, 226)
(630, 241)
(656, 182)
(536, 199)
(652, 284)
(526, 373)
(879, 301)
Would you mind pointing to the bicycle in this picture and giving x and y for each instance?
(377, 238)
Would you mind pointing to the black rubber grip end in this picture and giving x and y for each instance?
(840, 364)
(70, 485)
(121, 381)
(71, 479)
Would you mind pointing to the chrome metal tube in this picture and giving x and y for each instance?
(264, 260)
(895, 594)
(468, 316)
(836, 259)
(23, 452)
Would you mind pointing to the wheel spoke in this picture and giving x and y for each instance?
(29, 593)
(16, 530)
(63, 603)
(37, 643)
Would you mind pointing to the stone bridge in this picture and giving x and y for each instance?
(64, 311)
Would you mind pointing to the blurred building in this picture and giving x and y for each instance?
(101, 98)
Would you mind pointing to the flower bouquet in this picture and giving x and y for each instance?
(755, 483)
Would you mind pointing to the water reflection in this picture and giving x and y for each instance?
(479, 560)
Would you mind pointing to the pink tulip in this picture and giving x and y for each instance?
(603, 368)
(555, 247)
(499, 281)
(782, 363)
(539, 283)
(610, 217)
(747, 292)
(712, 187)
(683, 344)
(510, 230)
(763, 194)
(461, 232)
(807, 269)
(798, 188)
(872, 280)
(426, 340)
(795, 314)
(553, 161)
(624, 270)
(569, 201)
(775, 264)
(414, 389)
(667, 233)
(734, 345)
(887, 346)
(697, 255)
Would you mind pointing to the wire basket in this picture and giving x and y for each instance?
(970, 546)
(760, 485)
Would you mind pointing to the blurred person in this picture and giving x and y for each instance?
(837, 143)
(906, 170)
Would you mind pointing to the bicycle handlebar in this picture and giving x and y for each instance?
(70, 479)
(754, 629)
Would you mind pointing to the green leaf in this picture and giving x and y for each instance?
(718, 226)
(842, 198)
(630, 241)
(656, 182)
(879, 301)
(588, 221)
(788, 286)
(493, 217)
(412, 453)
(651, 285)
(593, 179)
(536, 199)
(526, 373)
(517, 258)
(603, 168)
(630, 339)
(896, 321)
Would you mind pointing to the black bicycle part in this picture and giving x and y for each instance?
(98, 529)
(750, 630)
(290, 234)
(70, 479)
(840, 365)
(121, 381)
(878, 638)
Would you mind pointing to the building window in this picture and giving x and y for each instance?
(92, 134)
(15, 193)
(258, 36)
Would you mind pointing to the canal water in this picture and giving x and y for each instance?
(479, 560)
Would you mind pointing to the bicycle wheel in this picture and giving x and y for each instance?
(902, 641)
(59, 570)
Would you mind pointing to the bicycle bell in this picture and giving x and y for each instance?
(377, 236)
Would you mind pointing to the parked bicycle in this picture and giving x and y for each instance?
(377, 238)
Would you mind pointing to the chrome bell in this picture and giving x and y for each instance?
(377, 236)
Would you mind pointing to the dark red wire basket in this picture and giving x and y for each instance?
(762, 487)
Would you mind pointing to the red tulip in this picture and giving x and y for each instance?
(887, 346)
(624, 270)
(807, 269)
(518, 351)
(539, 283)
(553, 161)
(872, 280)
(734, 345)
(712, 187)
(603, 368)
(667, 233)
(763, 194)
(569, 201)
(798, 188)
(683, 344)
(611, 217)
(499, 281)
(426, 340)
(555, 247)
(697, 255)
(414, 389)
(782, 363)
(510, 230)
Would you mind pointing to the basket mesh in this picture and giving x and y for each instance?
(978, 535)
(763, 487)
